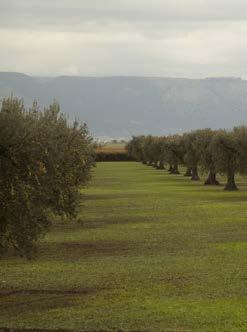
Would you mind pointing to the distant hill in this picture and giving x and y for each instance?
(123, 106)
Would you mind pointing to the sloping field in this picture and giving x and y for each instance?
(153, 252)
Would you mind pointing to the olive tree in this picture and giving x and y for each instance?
(191, 156)
(203, 146)
(161, 142)
(173, 151)
(225, 151)
(135, 148)
(148, 151)
(240, 135)
(156, 152)
(43, 161)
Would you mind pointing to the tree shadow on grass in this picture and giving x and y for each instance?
(56, 292)
(39, 300)
(69, 330)
(110, 196)
(110, 220)
(229, 232)
(75, 251)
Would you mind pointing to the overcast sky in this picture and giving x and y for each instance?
(178, 38)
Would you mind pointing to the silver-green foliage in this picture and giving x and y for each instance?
(43, 160)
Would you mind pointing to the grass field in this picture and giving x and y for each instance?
(112, 148)
(153, 252)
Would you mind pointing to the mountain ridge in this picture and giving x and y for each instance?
(121, 106)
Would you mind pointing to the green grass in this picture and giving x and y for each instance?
(115, 145)
(153, 252)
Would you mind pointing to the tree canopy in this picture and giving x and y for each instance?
(43, 161)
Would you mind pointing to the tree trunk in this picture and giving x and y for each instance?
(155, 164)
(188, 172)
(170, 168)
(175, 169)
(211, 180)
(231, 185)
(161, 165)
(195, 176)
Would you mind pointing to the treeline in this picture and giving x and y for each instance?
(113, 156)
(220, 151)
(43, 162)
(112, 152)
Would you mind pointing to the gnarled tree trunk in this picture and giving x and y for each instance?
(170, 168)
(155, 164)
(161, 165)
(195, 176)
(231, 185)
(175, 169)
(188, 172)
(211, 180)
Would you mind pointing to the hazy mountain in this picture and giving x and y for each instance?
(122, 106)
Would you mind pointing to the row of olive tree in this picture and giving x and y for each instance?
(219, 151)
(43, 161)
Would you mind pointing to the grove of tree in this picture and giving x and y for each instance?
(211, 151)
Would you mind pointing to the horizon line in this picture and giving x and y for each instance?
(123, 76)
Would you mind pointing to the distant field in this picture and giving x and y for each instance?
(154, 252)
(112, 148)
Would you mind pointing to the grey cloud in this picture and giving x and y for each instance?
(124, 37)
(71, 14)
